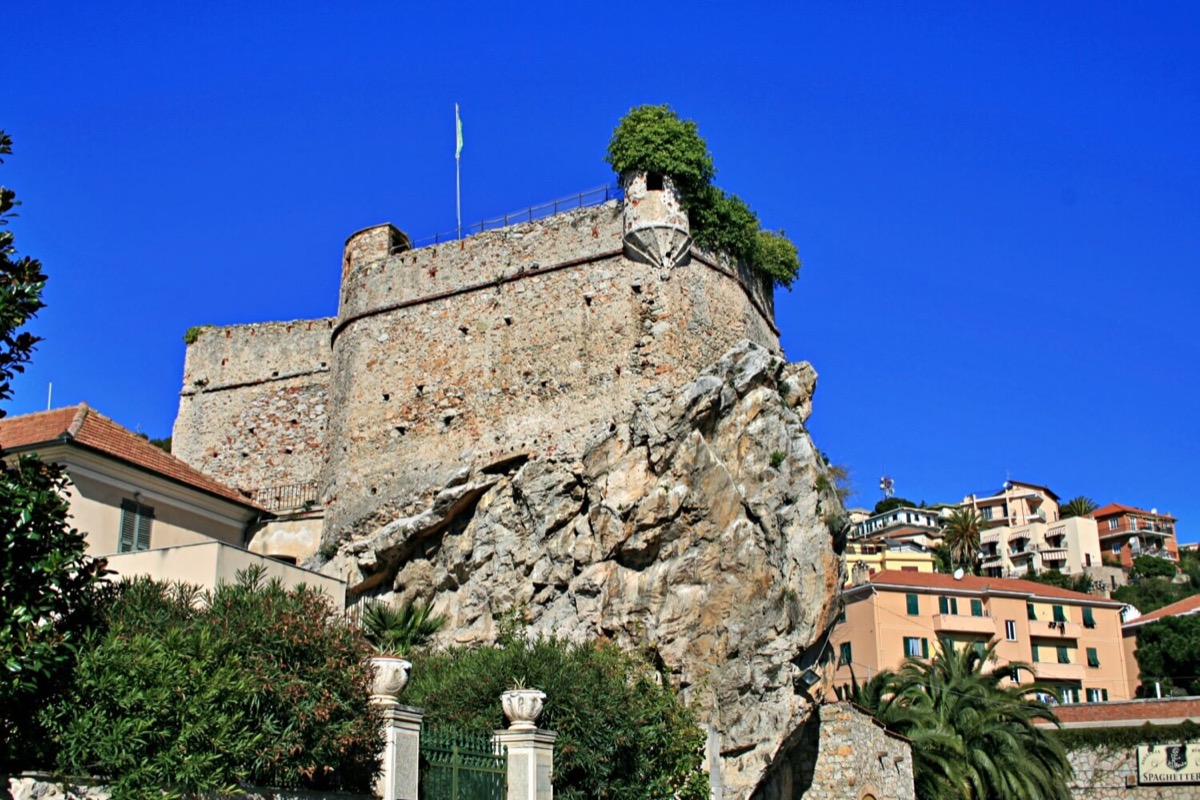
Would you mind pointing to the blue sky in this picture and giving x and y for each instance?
(996, 205)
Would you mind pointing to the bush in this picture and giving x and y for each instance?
(622, 731)
(199, 692)
(1151, 567)
(655, 139)
(776, 257)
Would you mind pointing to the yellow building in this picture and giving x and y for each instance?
(1072, 640)
(864, 559)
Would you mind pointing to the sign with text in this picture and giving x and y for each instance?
(1169, 763)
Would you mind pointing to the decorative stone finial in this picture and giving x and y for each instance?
(522, 707)
(391, 676)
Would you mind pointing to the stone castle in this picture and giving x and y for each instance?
(515, 343)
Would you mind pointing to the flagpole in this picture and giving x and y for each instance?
(458, 169)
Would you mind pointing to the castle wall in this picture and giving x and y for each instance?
(255, 402)
(524, 340)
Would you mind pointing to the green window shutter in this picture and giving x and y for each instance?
(943, 605)
(1059, 614)
(924, 648)
(1104, 695)
(1034, 648)
(1030, 611)
(978, 648)
(145, 518)
(914, 605)
(954, 605)
(1064, 656)
(842, 615)
(1092, 657)
(976, 608)
(844, 656)
(128, 538)
(1089, 621)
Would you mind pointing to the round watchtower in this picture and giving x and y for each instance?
(656, 224)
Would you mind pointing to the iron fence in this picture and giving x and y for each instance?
(585, 199)
(461, 766)
(288, 497)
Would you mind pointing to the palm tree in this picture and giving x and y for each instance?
(1079, 506)
(974, 738)
(961, 535)
(396, 631)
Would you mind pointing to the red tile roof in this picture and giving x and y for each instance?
(83, 426)
(975, 583)
(1180, 608)
(1116, 508)
(1129, 712)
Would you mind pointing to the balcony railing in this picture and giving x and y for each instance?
(964, 623)
(288, 497)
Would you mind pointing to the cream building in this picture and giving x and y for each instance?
(1026, 534)
(1072, 640)
(144, 510)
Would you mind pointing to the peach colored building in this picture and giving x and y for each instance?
(1127, 532)
(1025, 533)
(1129, 631)
(145, 510)
(1072, 640)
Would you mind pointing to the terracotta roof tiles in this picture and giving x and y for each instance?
(1180, 608)
(975, 583)
(83, 426)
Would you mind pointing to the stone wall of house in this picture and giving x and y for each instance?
(254, 404)
(1111, 774)
(523, 341)
(844, 753)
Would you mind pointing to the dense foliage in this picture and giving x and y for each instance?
(1168, 652)
(199, 692)
(1153, 567)
(623, 732)
(891, 503)
(48, 588)
(398, 631)
(972, 736)
(961, 535)
(1052, 577)
(654, 139)
(1079, 506)
(1126, 737)
(1151, 594)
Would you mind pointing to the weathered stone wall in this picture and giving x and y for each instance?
(525, 340)
(1104, 774)
(255, 402)
(842, 753)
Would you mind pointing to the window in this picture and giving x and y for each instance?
(135, 526)
(986, 512)
(1029, 610)
(844, 655)
(1092, 657)
(914, 605)
(1064, 655)
(1089, 621)
(976, 608)
(979, 648)
(1087, 559)
(943, 605)
(1014, 675)
(1112, 524)
(1070, 695)
(842, 615)
(1059, 614)
(1010, 629)
(654, 182)
(1116, 547)
(915, 647)
(1104, 695)
(1036, 653)
(1093, 695)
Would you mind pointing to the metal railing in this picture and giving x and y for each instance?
(591, 197)
(288, 497)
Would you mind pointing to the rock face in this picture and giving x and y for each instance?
(705, 525)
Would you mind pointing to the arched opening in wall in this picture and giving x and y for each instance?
(654, 182)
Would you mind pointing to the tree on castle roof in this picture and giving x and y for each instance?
(655, 139)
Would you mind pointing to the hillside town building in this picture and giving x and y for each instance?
(1126, 533)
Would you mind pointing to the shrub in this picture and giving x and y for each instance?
(776, 257)
(777, 458)
(199, 692)
(654, 139)
(622, 731)
(1151, 567)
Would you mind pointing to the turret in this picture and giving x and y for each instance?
(656, 224)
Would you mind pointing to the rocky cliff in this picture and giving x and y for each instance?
(704, 524)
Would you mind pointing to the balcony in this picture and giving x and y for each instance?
(1055, 630)
(1053, 671)
(963, 623)
(1053, 553)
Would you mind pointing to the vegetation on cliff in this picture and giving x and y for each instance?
(654, 139)
(622, 730)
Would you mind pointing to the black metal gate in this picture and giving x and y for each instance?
(461, 766)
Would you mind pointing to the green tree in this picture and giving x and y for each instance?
(1052, 577)
(400, 630)
(890, 503)
(1152, 567)
(1079, 506)
(961, 535)
(623, 732)
(197, 692)
(974, 736)
(654, 139)
(1151, 594)
(1168, 652)
(50, 588)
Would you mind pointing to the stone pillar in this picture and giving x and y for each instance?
(530, 749)
(401, 731)
(530, 762)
